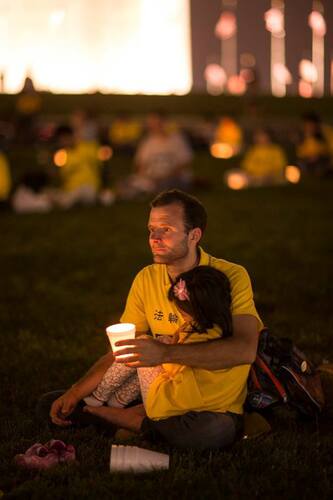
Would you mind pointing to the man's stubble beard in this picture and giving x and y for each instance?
(173, 256)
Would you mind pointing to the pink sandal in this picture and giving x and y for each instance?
(40, 456)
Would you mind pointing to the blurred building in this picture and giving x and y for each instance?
(161, 46)
(253, 38)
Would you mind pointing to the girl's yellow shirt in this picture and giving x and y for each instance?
(180, 388)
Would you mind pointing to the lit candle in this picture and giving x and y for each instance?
(120, 331)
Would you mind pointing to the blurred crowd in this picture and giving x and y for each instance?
(75, 155)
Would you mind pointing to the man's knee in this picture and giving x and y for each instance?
(196, 430)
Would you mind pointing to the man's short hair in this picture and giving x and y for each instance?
(195, 214)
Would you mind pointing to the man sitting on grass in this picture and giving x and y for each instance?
(176, 224)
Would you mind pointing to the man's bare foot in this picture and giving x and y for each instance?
(128, 418)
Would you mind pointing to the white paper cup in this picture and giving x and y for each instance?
(138, 460)
(120, 331)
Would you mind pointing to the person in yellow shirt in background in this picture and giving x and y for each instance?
(79, 169)
(316, 146)
(163, 160)
(176, 224)
(5, 180)
(229, 133)
(263, 164)
(125, 132)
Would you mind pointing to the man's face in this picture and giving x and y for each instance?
(169, 241)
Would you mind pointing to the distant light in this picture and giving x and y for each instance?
(308, 71)
(104, 153)
(305, 89)
(293, 174)
(215, 75)
(248, 75)
(56, 18)
(60, 158)
(222, 150)
(280, 34)
(282, 74)
(247, 60)
(226, 26)
(237, 180)
(317, 23)
(236, 85)
(274, 21)
(216, 78)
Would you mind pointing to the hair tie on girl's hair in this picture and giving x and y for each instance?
(180, 290)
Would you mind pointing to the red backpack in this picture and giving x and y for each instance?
(281, 373)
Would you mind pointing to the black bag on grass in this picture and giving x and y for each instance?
(281, 373)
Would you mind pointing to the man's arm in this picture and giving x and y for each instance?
(63, 406)
(239, 349)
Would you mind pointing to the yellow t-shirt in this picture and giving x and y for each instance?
(82, 167)
(123, 132)
(229, 132)
(265, 160)
(5, 178)
(179, 389)
(312, 148)
(28, 104)
(149, 308)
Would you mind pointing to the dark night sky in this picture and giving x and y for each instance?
(252, 37)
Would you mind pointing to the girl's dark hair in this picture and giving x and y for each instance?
(209, 301)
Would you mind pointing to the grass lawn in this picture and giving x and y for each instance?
(65, 276)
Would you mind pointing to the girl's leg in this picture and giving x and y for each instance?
(113, 378)
(129, 418)
(127, 393)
